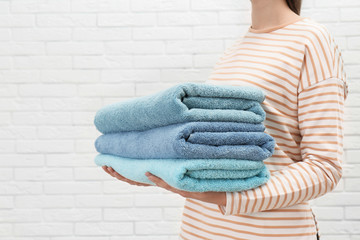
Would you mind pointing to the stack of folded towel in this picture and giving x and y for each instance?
(195, 136)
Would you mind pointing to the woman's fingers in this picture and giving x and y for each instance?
(106, 169)
(161, 183)
(115, 174)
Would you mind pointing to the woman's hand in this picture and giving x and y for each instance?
(115, 174)
(210, 197)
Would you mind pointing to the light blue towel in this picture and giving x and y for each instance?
(181, 103)
(191, 140)
(202, 175)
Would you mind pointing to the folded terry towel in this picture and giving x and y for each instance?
(184, 102)
(200, 175)
(191, 140)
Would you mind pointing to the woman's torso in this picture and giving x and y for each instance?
(273, 62)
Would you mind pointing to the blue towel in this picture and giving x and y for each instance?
(191, 140)
(202, 175)
(181, 103)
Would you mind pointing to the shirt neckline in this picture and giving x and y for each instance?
(273, 28)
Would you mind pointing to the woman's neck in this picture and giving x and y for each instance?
(269, 13)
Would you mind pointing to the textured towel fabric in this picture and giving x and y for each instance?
(200, 179)
(181, 103)
(191, 140)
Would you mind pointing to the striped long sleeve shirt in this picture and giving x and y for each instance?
(301, 70)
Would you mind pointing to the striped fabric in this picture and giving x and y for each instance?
(300, 67)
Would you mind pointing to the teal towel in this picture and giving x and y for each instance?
(184, 102)
(200, 175)
(191, 140)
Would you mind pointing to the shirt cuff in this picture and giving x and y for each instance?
(228, 209)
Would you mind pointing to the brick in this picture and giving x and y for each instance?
(159, 200)
(44, 201)
(84, 146)
(70, 76)
(63, 104)
(351, 156)
(43, 174)
(4, 6)
(43, 229)
(234, 17)
(138, 47)
(6, 202)
(41, 34)
(21, 188)
(20, 104)
(5, 118)
(147, 228)
(137, 237)
(5, 62)
(156, 5)
(66, 20)
(74, 48)
(100, 6)
(217, 32)
(98, 34)
(163, 61)
(18, 20)
(20, 215)
(352, 213)
(195, 46)
(90, 173)
(21, 160)
(216, 5)
(19, 76)
(100, 62)
(352, 184)
(351, 170)
(138, 75)
(127, 19)
(67, 187)
(337, 227)
(72, 215)
(333, 199)
(67, 132)
(80, 238)
(114, 185)
(23, 132)
(160, 33)
(47, 90)
(42, 62)
(132, 214)
(41, 118)
(6, 174)
(108, 200)
(5, 34)
(33, 6)
(103, 228)
(328, 213)
(22, 48)
(7, 146)
(353, 43)
(83, 118)
(109, 90)
(48, 146)
(187, 18)
(6, 229)
(70, 160)
(173, 214)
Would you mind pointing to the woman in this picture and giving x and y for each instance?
(296, 61)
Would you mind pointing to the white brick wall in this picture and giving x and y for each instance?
(62, 60)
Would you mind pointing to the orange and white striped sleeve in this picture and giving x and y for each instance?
(320, 119)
